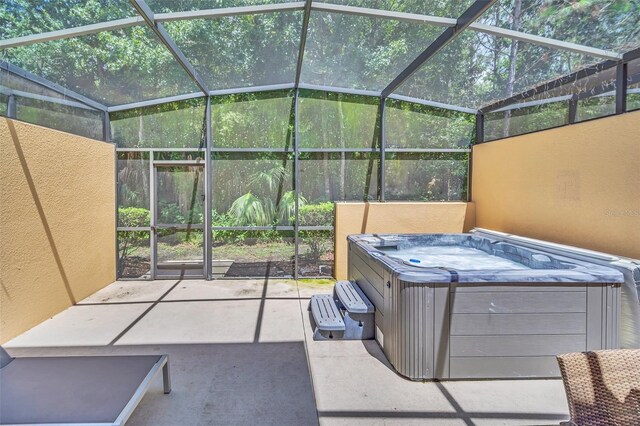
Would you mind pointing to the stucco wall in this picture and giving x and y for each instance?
(57, 223)
(396, 218)
(577, 185)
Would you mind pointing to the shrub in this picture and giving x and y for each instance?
(320, 214)
(169, 213)
(130, 241)
(134, 216)
(319, 243)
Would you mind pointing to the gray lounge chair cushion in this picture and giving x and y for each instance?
(70, 389)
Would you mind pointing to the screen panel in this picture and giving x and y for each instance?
(14, 82)
(253, 189)
(4, 99)
(350, 176)
(336, 120)
(241, 51)
(134, 254)
(170, 125)
(164, 6)
(426, 176)
(518, 121)
(443, 8)
(610, 25)
(255, 120)
(133, 189)
(360, 52)
(67, 118)
(482, 69)
(20, 18)
(316, 254)
(633, 86)
(253, 253)
(111, 67)
(410, 125)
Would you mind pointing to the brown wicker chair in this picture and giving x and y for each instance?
(603, 387)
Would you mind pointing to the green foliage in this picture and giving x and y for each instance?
(250, 210)
(170, 212)
(169, 125)
(318, 243)
(320, 214)
(223, 219)
(129, 242)
(134, 217)
(253, 120)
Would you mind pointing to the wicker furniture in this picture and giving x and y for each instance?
(603, 387)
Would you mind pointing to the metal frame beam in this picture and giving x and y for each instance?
(550, 85)
(147, 14)
(251, 89)
(289, 86)
(344, 90)
(432, 104)
(470, 15)
(479, 128)
(43, 82)
(11, 106)
(533, 103)
(544, 41)
(208, 188)
(229, 11)
(631, 55)
(564, 80)
(153, 102)
(106, 129)
(71, 32)
(303, 40)
(296, 181)
(382, 173)
(621, 88)
(573, 109)
(59, 101)
(384, 14)
(482, 28)
(324, 7)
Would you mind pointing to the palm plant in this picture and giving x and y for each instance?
(251, 210)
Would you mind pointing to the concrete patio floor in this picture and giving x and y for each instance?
(241, 353)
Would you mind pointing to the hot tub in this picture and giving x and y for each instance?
(454, 306)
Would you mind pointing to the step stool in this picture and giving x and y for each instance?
(347, 314)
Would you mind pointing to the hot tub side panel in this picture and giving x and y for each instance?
(416, 333)
(412, 319)
(511, 330)
(484, 330)
(371, 277)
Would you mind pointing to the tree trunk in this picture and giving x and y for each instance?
(343, 161)
(513, 53)
(325, 162)
(496, 47)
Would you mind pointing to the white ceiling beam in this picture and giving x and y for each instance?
(544, 41)
(71, 32)
(386, 14)
(228, 11)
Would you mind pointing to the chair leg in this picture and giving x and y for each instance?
(166, 378)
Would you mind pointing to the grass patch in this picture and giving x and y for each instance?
(317, 281)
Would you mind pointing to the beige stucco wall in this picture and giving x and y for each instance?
(577, 185)
(57, 199)
(396, 218)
